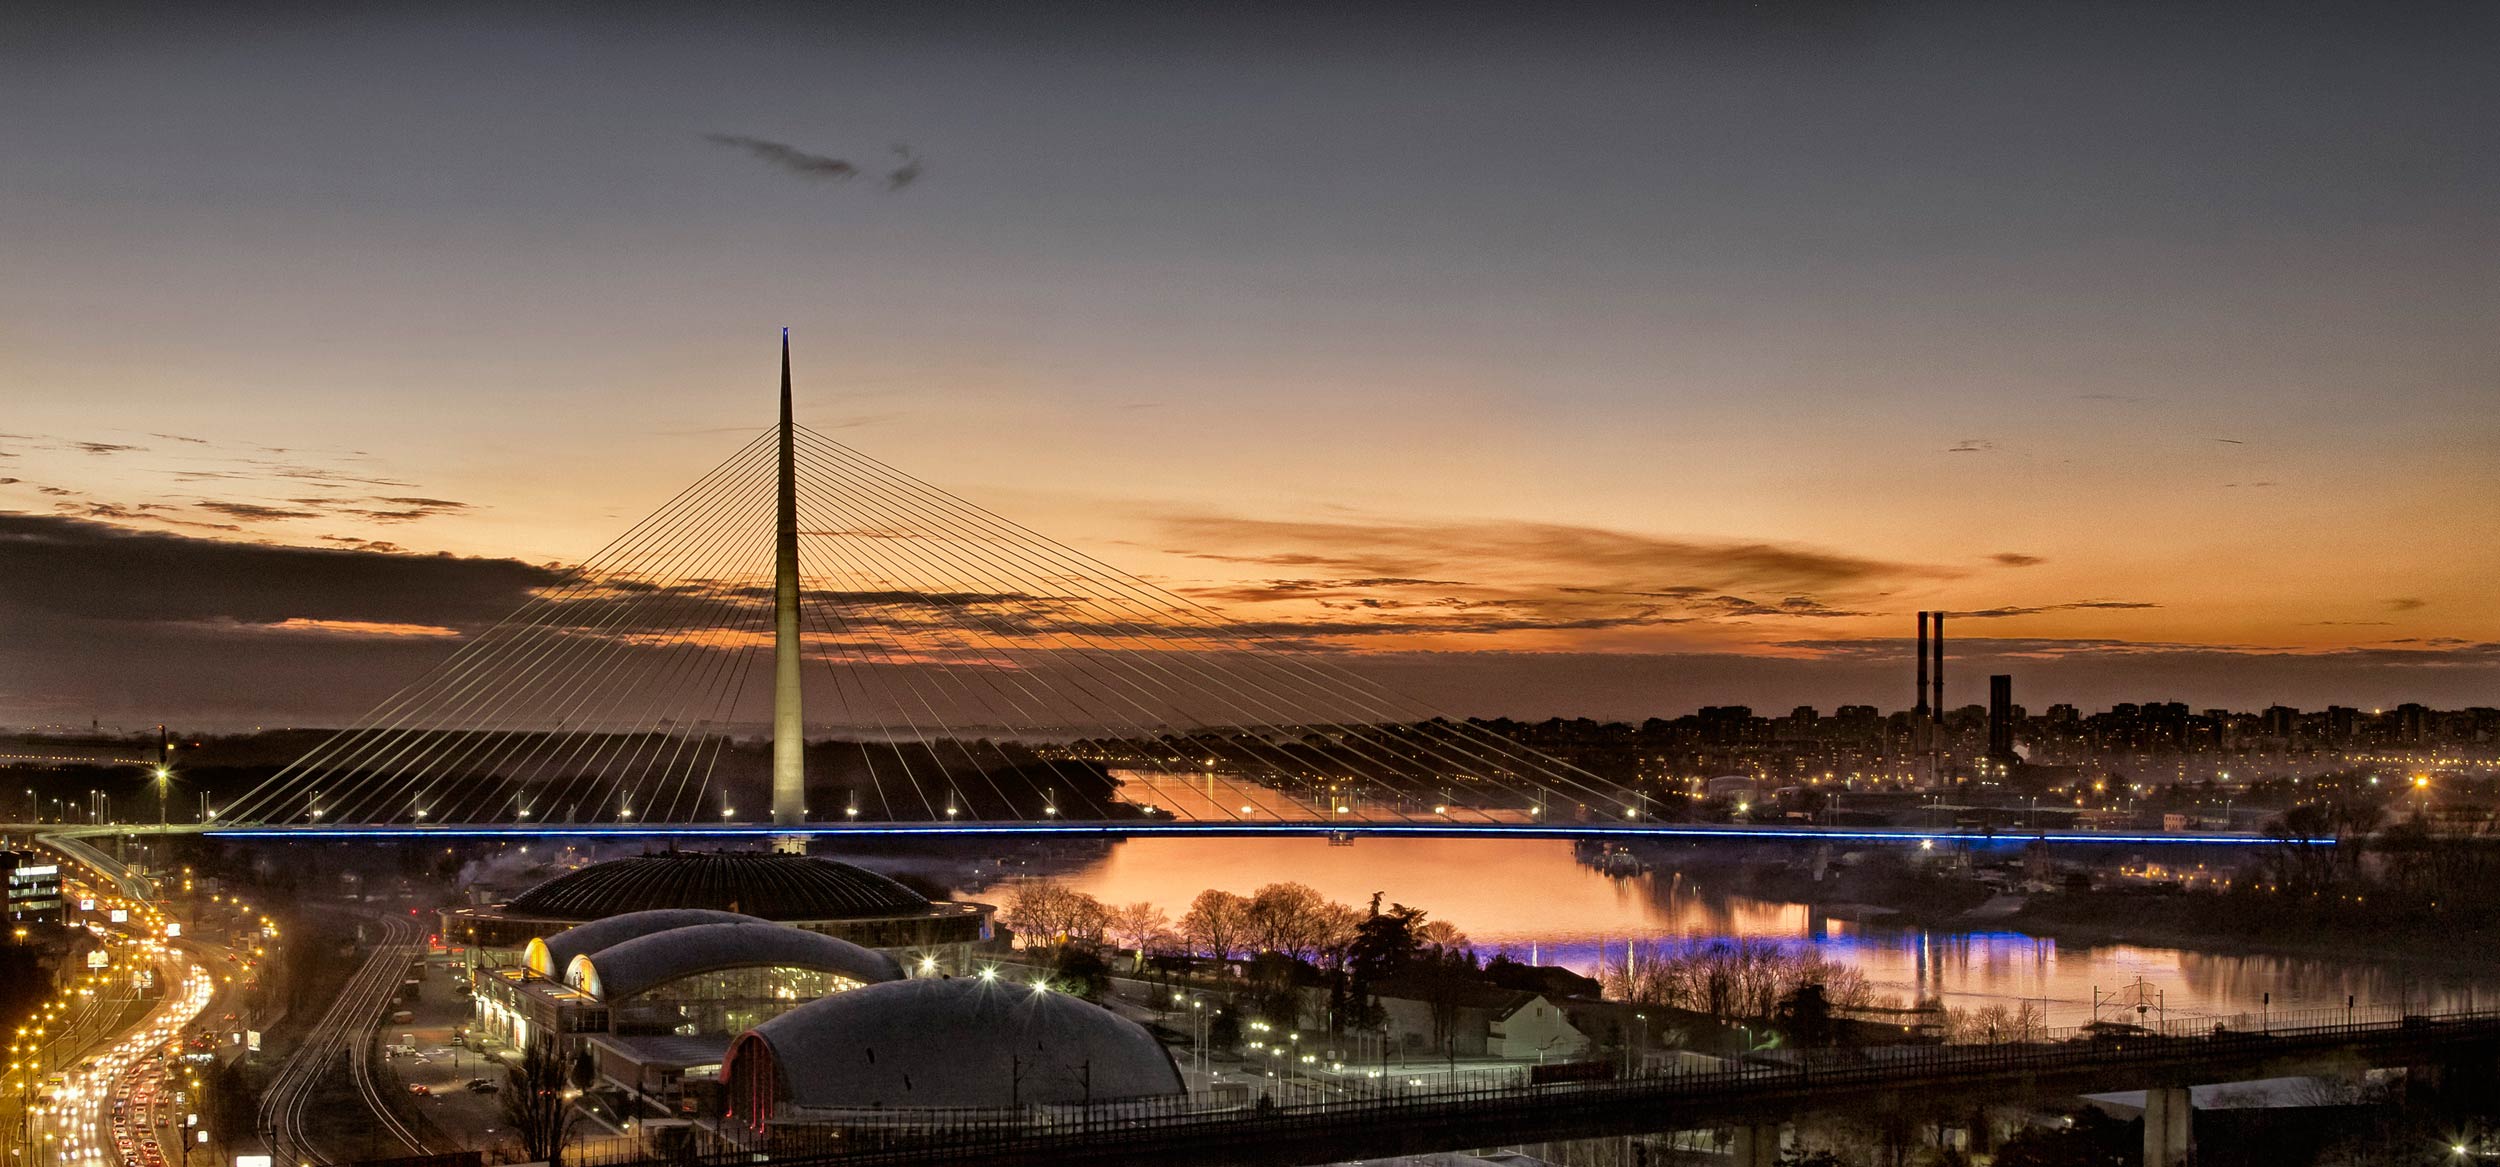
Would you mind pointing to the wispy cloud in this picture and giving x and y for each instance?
(253, 512)
(2017, 559)
(1589, 557)
(788, 158)
(2037, 609)
(816, 167)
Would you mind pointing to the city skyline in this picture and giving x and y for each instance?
(1674, 375)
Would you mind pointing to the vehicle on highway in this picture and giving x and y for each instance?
(481, 1086)
(419, 1088)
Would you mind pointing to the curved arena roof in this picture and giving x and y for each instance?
(752, 883)
(630, 968)
(949, 1043)
(550, 956)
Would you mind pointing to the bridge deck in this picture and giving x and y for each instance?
(1152, 827)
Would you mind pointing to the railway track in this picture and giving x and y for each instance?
(346, 1030)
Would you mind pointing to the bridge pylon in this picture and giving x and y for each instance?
(789, 730)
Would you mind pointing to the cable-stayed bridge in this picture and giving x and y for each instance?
(808, 641)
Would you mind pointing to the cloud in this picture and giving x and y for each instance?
(56, 491)
(789, 159)
(180, 438)
(904, 173)
(2017, 559)
(2075, 606)
(2406, 603)
(1792, 606)
(299, 624)
(60, 567)
(1971, 446)
(1592, 558)
(2231, 441)
(398, 509)
(362, 544)
(254, 512)
(103, 447)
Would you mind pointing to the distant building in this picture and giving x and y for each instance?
(34, 888)
(2001, 715)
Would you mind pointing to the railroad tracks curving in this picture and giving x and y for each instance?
(347, 1030)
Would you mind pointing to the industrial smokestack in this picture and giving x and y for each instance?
(1919, 707)
(1938, 670)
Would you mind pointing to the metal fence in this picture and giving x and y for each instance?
(871, 1136)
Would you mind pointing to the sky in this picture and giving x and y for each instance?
(1606, 362)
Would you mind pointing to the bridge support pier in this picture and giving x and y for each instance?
(1756, 1146)
(2169, 1126)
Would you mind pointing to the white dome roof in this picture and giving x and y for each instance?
(951, 1043)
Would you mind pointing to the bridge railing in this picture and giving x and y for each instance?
(1337, 1104)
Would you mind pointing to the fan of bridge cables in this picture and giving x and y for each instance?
(957, 667)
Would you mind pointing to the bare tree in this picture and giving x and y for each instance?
(1289, 919)
(1135, 926)
(1218, 923)
(1441, 934)
(1046, 914)
(538, 1102)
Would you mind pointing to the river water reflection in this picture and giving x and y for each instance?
(1534, 899)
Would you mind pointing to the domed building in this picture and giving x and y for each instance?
(818, 895)
(651, 964)
(654, 997)
(962, 1042)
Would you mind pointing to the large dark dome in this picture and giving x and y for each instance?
(774, 887)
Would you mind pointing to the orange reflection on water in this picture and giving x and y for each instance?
(1533, 898)
(1514, 892)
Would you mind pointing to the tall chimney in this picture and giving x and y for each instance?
(1919, 708)
(1938, 671)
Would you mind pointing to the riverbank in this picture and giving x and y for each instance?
(2157, 922)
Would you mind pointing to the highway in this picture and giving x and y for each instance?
(104, 1103)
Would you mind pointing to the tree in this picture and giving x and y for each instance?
(1047, 914)
(2090, 1138)
(1288, 918)
(1083, 972)
(1804, 1016)
(1441, 935)
(1134, 926)
(1443, 979)
(1087, 921)
(1383, 942)
(1338, 926)
(1218, 922)
(1224, 1031)
(538, 1103)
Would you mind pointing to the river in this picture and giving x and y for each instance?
(1532, 898)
